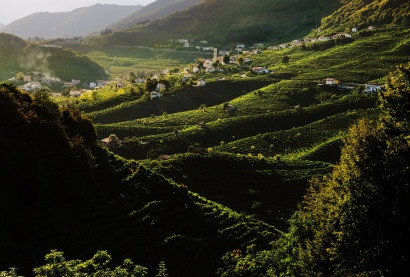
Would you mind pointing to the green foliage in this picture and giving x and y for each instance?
(161, 270)
(56, 266)
(17, 56)
(354, 222)
(181, 100)
(285, 60)
(56, 175)
(229, 21)
(361, 14)
(395, 101)
(12, 272)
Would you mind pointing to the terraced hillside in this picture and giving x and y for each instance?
(267, 136)
(362, 14)
(209, 179)
(85, 199)
(183, 100)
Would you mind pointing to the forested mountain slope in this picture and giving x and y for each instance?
(155, 10)
(230, 21)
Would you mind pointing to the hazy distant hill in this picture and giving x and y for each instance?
(156, 10)
(17, 55)
(229, 21)
(1, 25)
(360, 13)
(79, 22)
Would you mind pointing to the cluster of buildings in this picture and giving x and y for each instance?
(35, 81)
(300, 42)
(368, 88)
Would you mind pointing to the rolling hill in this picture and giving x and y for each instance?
(2, 25)
(229, 21)
(266, 126)
(17, 55)
(361, 14)
(156, 10)
(79, 22)
(85, 198)
(190, 181)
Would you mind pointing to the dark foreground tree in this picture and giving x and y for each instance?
(98, 265)
(356, 221)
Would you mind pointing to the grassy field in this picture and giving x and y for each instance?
(121, 60)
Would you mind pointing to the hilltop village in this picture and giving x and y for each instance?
(237, 62)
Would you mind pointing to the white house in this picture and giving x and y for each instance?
(203, 42)
(354, 30)
(324, 38)
(240, 46)
(32, 86)
(77, 82)
(260, 70)
(185, 42)
(341, 35)
(68, 84)
(161, 86)
(372, 88)
(75, 93)
(331, 82)
(93, 85)
(210, 69)
(201, 83)
(208, 63)
(283, 46)
(27, 78)
(371, 28)
(195, 69)
(155, 94)
(102, 83)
